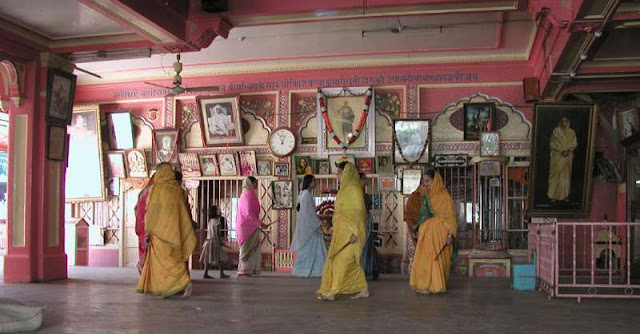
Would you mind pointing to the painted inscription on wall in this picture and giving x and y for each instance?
(355, 80)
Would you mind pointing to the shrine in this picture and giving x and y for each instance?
(529, 112)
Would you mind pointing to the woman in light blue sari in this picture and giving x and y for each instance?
(308, 241)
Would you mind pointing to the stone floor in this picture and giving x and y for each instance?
(103, 300)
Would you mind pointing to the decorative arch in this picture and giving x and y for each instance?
(512, 124)
(384, 127)
(447, 131)
(10, 90)
(258, 131)
(309, 128)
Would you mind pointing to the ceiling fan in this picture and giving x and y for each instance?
(401, 28)
(177, 82)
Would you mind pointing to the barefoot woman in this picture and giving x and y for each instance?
(172, 240)
(430, 210)
(342, 273)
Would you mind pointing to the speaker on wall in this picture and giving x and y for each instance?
(531, 89)
(214, 6)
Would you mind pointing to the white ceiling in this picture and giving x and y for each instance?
(59, 19)
(463, 36)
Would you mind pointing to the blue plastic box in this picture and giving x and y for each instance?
(524, 277)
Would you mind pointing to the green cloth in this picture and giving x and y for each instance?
(426, 212)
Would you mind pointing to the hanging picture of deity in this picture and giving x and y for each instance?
(136, 163)
(478, 118)
(345, 120)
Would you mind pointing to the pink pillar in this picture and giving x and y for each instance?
(35, 248)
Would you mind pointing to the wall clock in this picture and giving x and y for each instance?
(282, 142)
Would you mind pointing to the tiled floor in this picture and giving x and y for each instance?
(103, 300)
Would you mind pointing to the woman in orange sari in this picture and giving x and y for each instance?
(171, 238)
(430, 211)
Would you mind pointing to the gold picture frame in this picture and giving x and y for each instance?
(85, 179)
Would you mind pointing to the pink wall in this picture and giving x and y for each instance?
(430, 87)
(103, 257)
(312, 79)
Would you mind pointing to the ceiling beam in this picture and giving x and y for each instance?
(164, 23)
(251, 12)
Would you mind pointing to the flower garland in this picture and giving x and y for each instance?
(352, 137)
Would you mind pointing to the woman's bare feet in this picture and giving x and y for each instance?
(187, 291)
(326, 297)
(362, 294)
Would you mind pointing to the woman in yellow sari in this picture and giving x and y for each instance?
(172, 240)
(342, 273)
(430, 210)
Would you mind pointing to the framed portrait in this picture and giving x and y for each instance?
(489, 144)
(562, 160)
(410, 180)
(339, 157)
(606, 170)
(265, 167)
(227, 164)
(323, 167)
(209, 165)
(410, 141)
(136, 163)
(384, 164)
(365, 165)
(165, 146)
(628, 123)
(478, 118)
(282, 194)
(247, 163)
(281, 169)
(120, 130)
(117, 168)
(57, 142)
(61, 87)
(220, 120)
(303, 165)
(489, 168)
(189, 164)
(346, 110)
(85, 179)
(387, 183)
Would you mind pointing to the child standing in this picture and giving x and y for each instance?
(212, 248)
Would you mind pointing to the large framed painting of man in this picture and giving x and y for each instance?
(220, 120)
(346, 119)
(562, 160)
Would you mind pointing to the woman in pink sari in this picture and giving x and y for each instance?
(140, 209)
(248, 228)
